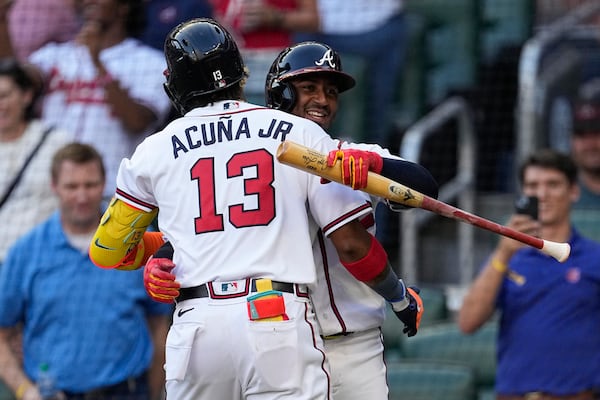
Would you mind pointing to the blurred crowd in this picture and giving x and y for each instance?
(92, 72)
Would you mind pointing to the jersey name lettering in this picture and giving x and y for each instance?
(223, 131)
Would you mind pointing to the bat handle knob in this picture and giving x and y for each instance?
(560, 251)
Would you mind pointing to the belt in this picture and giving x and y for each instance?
(204, 290)
(585, 395)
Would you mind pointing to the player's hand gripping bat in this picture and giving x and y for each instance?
(312, 161)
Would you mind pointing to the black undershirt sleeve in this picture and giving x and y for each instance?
(410, 174)
(165, 251)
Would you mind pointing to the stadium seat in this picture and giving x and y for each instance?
(430, 381)
(434, 301)
(452, 44)
(587, 222)
(444, 342)
(503, 24)
(349, 123)
(411, 95)
(393, 336)
(486, 394)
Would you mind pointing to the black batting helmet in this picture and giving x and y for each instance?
(202, 58)
(300, 59)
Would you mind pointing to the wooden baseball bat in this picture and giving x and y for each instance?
(309, 160)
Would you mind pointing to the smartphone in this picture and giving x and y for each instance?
(527, 205)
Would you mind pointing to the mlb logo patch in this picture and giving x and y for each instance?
(232, 105)
(228, 288)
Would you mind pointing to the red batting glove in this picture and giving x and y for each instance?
(159, 282)
(356, 165)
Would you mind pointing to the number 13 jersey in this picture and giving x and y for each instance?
(229, 208)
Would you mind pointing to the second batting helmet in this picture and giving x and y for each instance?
(301, 59)
(202, 58)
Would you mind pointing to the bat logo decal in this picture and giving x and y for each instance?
(406, 194)
(313, 161)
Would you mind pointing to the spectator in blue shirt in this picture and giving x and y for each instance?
(97, 331)
(548, 344)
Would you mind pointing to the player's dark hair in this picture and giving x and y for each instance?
(551, 159)
(235, 92)
(79, 153)
(11, 68)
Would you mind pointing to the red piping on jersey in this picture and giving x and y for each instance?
(334, 308)
(348, 214)
(314, 339)
(232, 112)
(141, 203)
(367, 221)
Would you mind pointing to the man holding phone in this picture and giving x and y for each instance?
(548, 342)
(527, 205)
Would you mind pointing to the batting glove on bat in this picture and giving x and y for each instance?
(159, 282)
(356, 165)
(411, 313)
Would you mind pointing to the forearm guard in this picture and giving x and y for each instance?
(116, 243)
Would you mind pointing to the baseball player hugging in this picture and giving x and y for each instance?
(241, 227)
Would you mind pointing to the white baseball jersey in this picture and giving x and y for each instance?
(75, 98)
(342, 303)
(229, 208)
